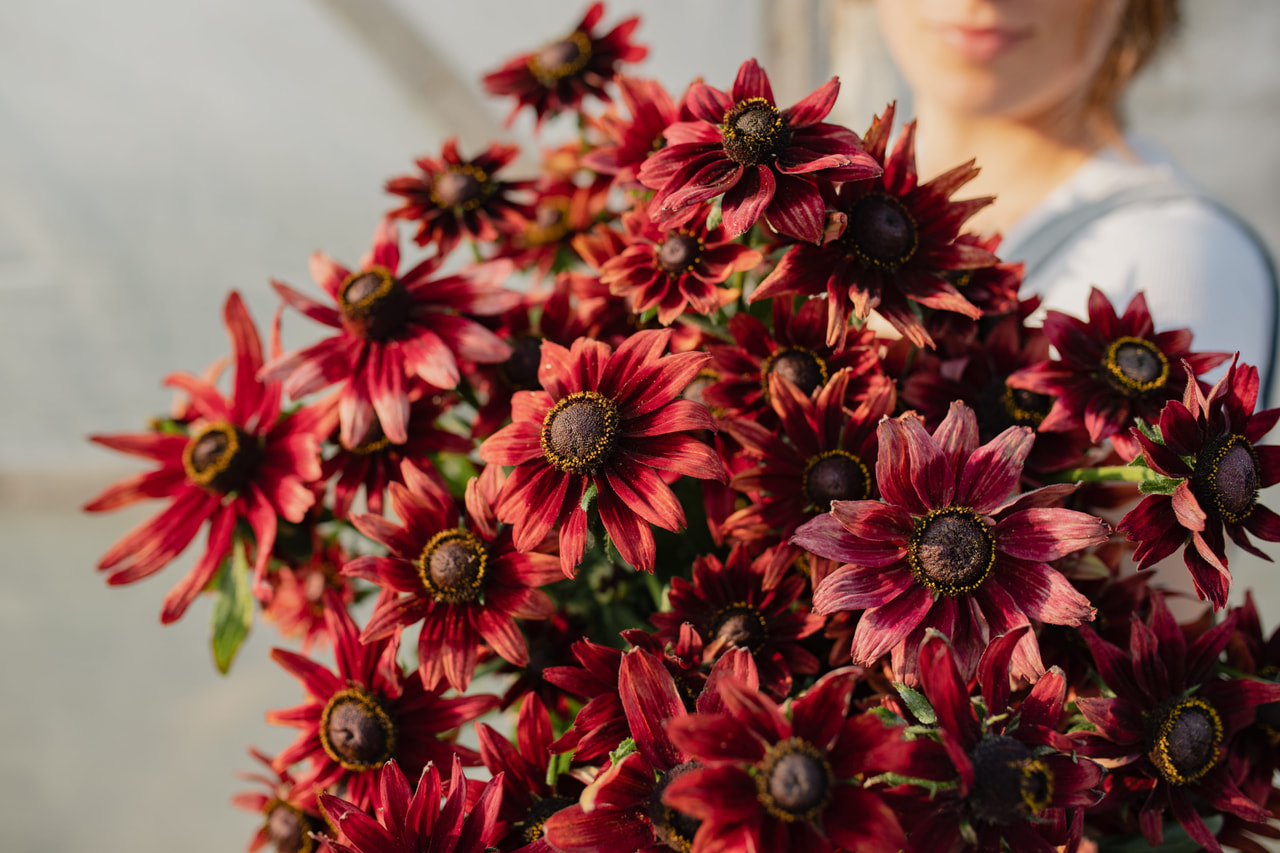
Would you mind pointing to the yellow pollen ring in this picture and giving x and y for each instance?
(465, 590)
(368, 702)
(365, 305)
(549, 75)
(775, 754)
(885, 263)
(732, 133)
(917, 539)
(1159, 753)
(1111, 364)
(476, 173)
(766, 367)
(832, 454)
(740, 607)
(1030, 769)
(208, 474)
(1024, 417)
(1224, 513)
(587, 462)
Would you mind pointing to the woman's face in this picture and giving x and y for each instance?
(1014, 58)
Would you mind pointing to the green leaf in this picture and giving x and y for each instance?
(233, 609)
(559, 764)
(1160, 485)
(624, 749)
(587, 497)
(917, 704)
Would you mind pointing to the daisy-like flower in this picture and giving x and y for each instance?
(952, 546)
(301, 593)
(601, 725)
(452, 197)
(993, 290)
(289, 818)
(560, 75)
(239, 461)
(390, 327)
(632, 140)
(766, 162)
(1171, 726)
(898, 245)
(1019, 779)
(466, 583)
(1209, 446)
(562, 211)
(730, 606)
(608, 420)
(432, 819)
(366, 714)
(1112, 370)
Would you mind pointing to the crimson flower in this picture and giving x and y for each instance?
(467, 583)
(601, 724)
(898, 245)
(1209, 446)
(1112, 370)
(608, 420)
(390, 328)
(559, 76)
(953, 546)
(431, 819)
(632, 140)
(238, 461)
(289, 818)
(365, 714)
(300, 593)
(764, 161)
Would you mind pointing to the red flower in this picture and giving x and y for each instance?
(238, 461)
(1112, 370)
(953, 546)
(1209, 445)
(652, 111)
(764, 161)
(562, 212)
(558, 77)
(466, 583)
(897, 246)
(288, 818)
(301, 593)
(601, 724)
(453, 197)
(365, 714)
(606, 420)
(390, 327)
(431, 819)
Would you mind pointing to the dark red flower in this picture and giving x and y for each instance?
(453, 197)
(559, 76)
(1111, 370)
(431, 819)
(301, 593)
(289, 817)
(898, 245)
(466, 583)
(601, 724)
(766, 162)
(238, 461)
(607, 420)
(390, 328)
(632, 140)
(953, 546)
(562, 212)
(1209, 446)
(365, 714)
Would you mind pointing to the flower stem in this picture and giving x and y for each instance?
(1104, 474)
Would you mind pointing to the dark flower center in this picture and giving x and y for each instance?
(461, 186)
(952, 551)
(739, 625)
(673, 828)
(1183, 736)
(561, 59)
(804, 368)
(795, 780)
(1025, 408)
(680, 253)
(289, 828)
(452, 566)
(550, 222)
(579, 432)
(220, 457)
(374, 304)
(535, 819)
(1009, 784)
(881, 231)
(375, 441)
(754, 132)
(521, 370)
(1135, 366)
(835, 475)
(1226, 478)
(356, 731)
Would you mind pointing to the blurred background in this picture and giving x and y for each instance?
(154, 155)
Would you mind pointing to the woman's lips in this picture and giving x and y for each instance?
(981, 44)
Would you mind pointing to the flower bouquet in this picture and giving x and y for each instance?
(732, 461)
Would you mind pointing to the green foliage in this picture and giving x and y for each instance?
(233, 607)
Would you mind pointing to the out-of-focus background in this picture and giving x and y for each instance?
(154, 155)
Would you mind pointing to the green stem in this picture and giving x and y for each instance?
(1104, 474)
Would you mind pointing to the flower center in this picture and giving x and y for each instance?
(1183, 737)
(740, 625)
(452, 566)
(1226, 478)
(674, 829)
(1025, 408)
(288, 828)
(680, 253)
(374, 304)
(579, 432)
(220, 457)
(375, 442)
(804, 368)
(535, 819)
(461, 186)
(550, 222)
(356, 731)
(561, 59)
(521, 370)
(1010, 785)
(795, 780)
(835, 475)
(1135, 366)
(881, 232)
(754, 132)
(951, 550)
